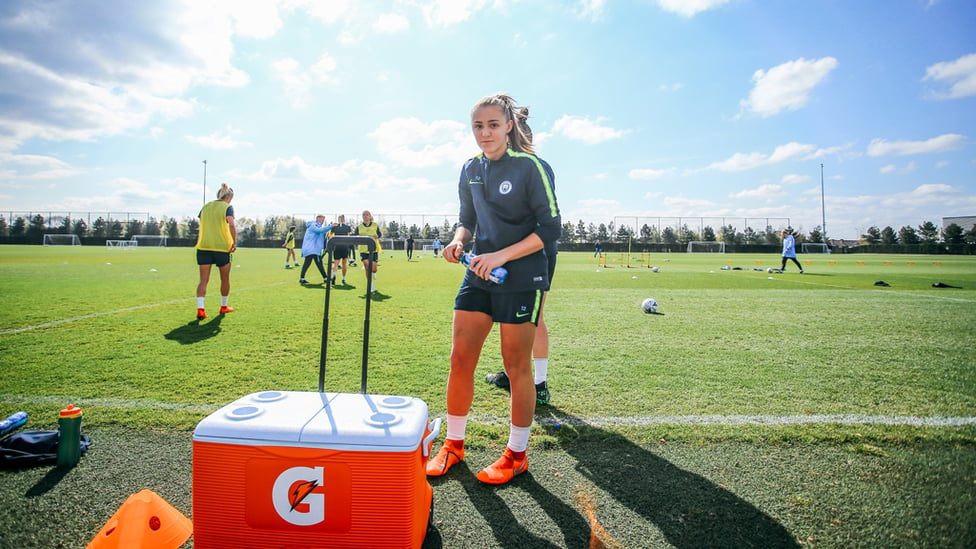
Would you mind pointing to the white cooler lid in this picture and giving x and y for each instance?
(319, 420)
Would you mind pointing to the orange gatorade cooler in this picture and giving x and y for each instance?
(310, 470)
(294, 470)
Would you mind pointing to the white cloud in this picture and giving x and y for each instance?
(220, 140)
(786, 87)
(443, 13)
(942, 143)
(413, 143)
(794, 179)
(890, 168)
(296, 168)
(583, 129)
(688, 8)
(768, 192)
(391, 23)
(747, 161)
(298, 82)
(960, 75)
(643, 173)
(591, 10)
(32, 166)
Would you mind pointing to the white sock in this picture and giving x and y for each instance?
(456, 426)
(199, 303)
(518, 438)
(541, 369)
(223, 300)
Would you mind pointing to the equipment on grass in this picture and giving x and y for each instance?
(124, 244)
(315, 469)
(769, 269)
(711, 247)
(13, 422)
(61, 240)
(655, 269)
(649, 305)
(144, 520)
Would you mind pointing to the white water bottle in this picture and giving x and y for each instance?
(497, 275)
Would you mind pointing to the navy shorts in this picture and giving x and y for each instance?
(365, 256)
(504, 307)
(340, 252)
(210, 257)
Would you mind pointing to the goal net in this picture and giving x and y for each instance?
(121, 243)
(814, 248)
(706, 247)
(149, 240)
(62, 240)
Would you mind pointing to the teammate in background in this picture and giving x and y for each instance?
(510, 212)
(540, 349)
(436, 245)
(597, 249)
(289, 246)
(409, 247)
(369, 228)
(312, 245)
(789, 250)
(216, 240)
(340, 254)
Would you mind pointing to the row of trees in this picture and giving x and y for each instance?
(927, 233)
(274, 227)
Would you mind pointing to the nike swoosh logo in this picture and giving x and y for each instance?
(520, 315)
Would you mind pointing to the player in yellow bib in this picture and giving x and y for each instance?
(216, 240)
(369, 227)
(289, 246)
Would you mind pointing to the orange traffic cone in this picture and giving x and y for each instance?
(144, 521)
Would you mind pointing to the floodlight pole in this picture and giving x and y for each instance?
(823, 211)
(205, 181)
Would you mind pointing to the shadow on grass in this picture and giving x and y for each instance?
(195, 331)
(690, 510)
(50, 480)
(507, 528)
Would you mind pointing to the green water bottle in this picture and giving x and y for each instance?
(69, 436)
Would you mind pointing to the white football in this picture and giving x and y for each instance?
(655, 269)
(769, 269)
(649, 305)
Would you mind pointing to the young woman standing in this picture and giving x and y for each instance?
(508, 207)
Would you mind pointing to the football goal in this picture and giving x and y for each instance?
(149, 240)
(121, 244)
(696, 246)
(814, 248)
(62, 240)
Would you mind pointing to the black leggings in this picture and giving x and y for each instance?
(783, 266)
(318, 263)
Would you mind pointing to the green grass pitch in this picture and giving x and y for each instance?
(822, 369)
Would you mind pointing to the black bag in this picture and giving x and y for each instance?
(29, 448)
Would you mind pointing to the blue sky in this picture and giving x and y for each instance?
(646, 109)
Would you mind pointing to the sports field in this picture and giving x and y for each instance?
(759, 409)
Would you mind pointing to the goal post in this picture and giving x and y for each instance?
(814, 248)
(126, 244)
(709, 247)
(62, 240)
(141, 240)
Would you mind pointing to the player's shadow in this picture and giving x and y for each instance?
(689, 510)
(510, 530)
(196, 331)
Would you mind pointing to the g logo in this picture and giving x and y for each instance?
(296, 496)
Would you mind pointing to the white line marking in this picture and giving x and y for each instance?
(593, 421)
(8, 331)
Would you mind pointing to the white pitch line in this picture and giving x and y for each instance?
(593, 421)
(9, 331)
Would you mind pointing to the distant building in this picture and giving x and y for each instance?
(967, 222)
